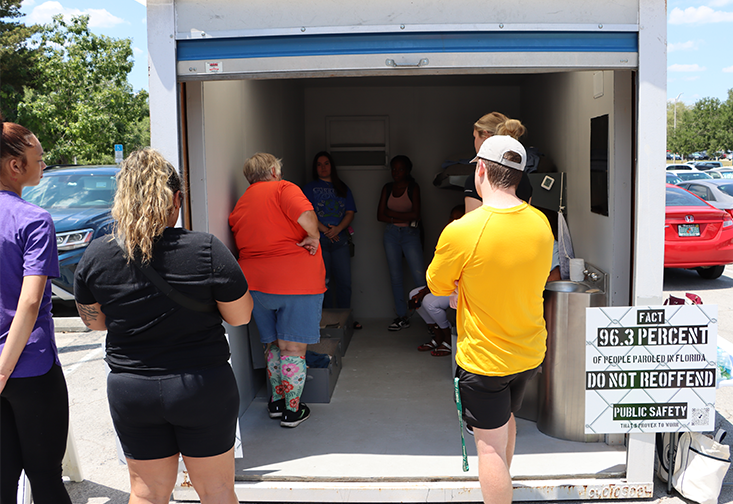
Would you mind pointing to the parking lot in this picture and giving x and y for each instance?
(105, 479)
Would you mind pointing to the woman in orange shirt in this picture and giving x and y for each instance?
(276, 232)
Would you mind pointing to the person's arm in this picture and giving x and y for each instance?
(332, 232)
(419, 296)
(309, 222)
(237, 312)
(92, 316)
(555, 266)
(31, 296)
(446, 267)
(554, 275)
(322, 227)
(382, 207)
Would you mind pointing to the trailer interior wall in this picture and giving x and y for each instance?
(559, 108)
(228, 121)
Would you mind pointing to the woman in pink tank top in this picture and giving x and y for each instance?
(399, 208)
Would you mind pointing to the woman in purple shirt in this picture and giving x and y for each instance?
(34, 402)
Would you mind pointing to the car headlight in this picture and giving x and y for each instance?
(73, 240)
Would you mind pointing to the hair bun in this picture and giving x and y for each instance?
(511, 127)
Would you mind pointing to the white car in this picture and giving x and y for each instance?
(680, 166)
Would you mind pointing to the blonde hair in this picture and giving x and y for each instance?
(259, 167)
(513, 128)
(489, 124)
(144, 201)
(496, 123)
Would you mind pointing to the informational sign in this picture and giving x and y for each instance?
(118, 153)
(650, 369)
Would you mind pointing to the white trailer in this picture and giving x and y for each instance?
(385, 77)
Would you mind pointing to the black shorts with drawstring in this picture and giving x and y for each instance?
(489, 401)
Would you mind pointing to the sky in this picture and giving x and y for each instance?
(699, 55)
(114, 18)
(699, 40)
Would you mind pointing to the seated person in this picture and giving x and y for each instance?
(555, 268)
(432, 310)
(555, 274)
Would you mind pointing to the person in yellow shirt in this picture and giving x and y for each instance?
(498, 256)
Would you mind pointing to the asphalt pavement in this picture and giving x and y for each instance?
(105, 478)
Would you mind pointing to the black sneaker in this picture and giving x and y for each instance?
(398, 324)
(295, 418)
(276, 408)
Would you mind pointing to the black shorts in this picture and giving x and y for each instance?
(192, 413)
(489, 401)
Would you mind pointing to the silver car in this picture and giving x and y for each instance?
(721, 173)
(718, 193)
(686, 175)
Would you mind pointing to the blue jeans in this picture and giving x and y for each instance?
(398, 241)
(337, 260)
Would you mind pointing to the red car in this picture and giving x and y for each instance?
(696, 235)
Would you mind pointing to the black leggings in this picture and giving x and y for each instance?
(34, 422)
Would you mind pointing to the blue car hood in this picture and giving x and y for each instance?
(72, 219)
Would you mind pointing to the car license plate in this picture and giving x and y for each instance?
(688, 229)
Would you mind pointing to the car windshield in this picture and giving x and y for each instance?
(693, 176)
(726, 188)
(680, 197)
(56, 191)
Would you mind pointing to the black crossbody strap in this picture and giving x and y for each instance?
(172, 293)
(169, 291)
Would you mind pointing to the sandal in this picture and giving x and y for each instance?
(442, 350)
(357, 325)
(428, 347)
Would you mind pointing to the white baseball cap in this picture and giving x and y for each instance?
(494, 148)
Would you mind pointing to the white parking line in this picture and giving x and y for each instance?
(89, 356)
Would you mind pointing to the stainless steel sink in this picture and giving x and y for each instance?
(567, 286)
(561, 411)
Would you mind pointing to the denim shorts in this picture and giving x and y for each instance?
(288, 317)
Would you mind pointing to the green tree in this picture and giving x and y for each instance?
(679, 137)
(17, 58)
(85, 104)
(726, 119)
(706, 124)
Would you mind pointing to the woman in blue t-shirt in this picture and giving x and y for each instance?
(34, 401)
(334, 205)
